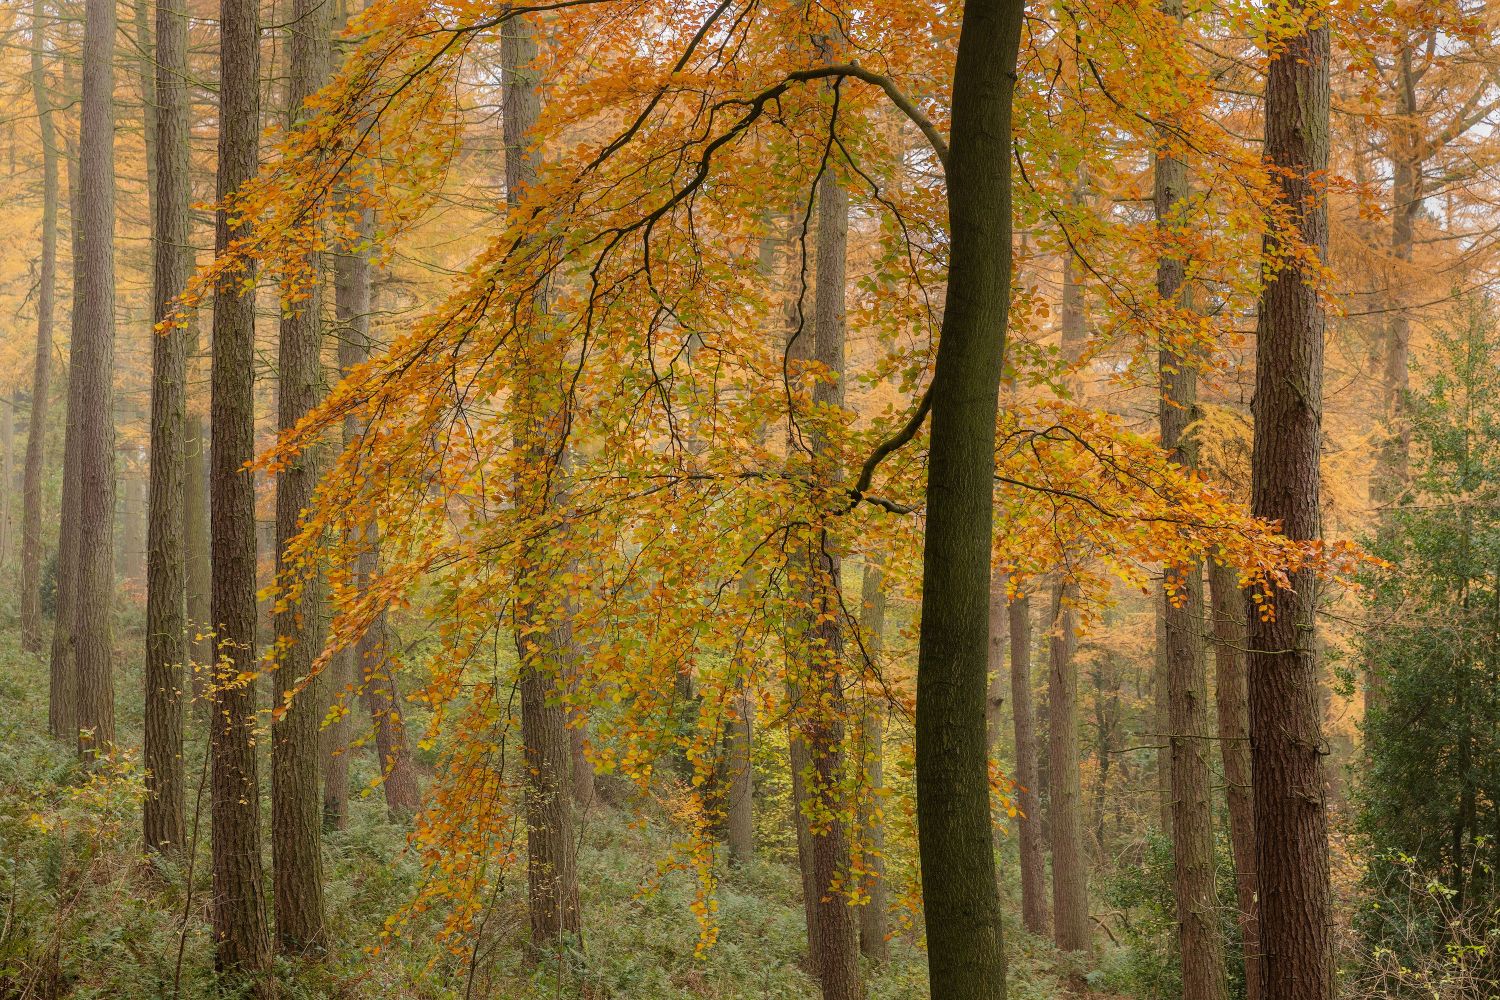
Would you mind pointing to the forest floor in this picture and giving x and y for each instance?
(83, 913)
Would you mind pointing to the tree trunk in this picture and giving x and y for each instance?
(1033, 858)
(551, 869)
(334, 741)
(1291, 822)
(166, 553)
(296, 806)
(1200, 941)
(93, 367)
(195, 533)
(965, 959)
(1070, 900)
(872, 916)
(8, 472)
(994, 702)
(239, 916)
(1233, 711)
(62, 704)
(740, 795)
(41, 379)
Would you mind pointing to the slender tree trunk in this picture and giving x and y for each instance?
(239, 914)
(334, 741)
(740, 795)
(994, 702)
(965, 958)
(373, 676)
(1232, 709)
(1070, 898)
(1033, 857)
(296, 807)
(166, 554)
(62, 705)
(1291, 822)
(195, 533)
(551, 869)
(93, 366)
(1200, 941)
(41, 379)
(873, 916)
(8, 472)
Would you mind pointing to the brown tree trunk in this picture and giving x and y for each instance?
(334, 741)
(1070, 900)
(242, 945)
(195, 534)
(373, 676)
(166, 553)
(296, 806)
(41, 379)
(739, 805)
(1291, 822)
(8, 409)
(93, 367)
(62, 703)
(961, 901)
(1033, 855)
(1233, 710)
(1200, 941)
(551, 868)
(872, 916)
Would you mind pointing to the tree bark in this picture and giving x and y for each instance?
(1033, 856)
(873, 915)
(41, 379)
(961, 908)
(1200, 941)
(551, 868)
(296, 806)
(1070, 900)
(166, 553)
(93, 367)
(1291, 823)
(242, 945)
(334, 741)
(1232, 709)
(62, 703)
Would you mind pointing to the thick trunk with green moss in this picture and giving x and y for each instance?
(961, 900)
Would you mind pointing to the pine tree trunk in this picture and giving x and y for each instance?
(1200, 941)
(296, 802)
(1232, 708)
(166, 553)
(334, 741)
(961, 901)
(62, 705)
(1033, 856)
(41, 379)
(1291, 822)
(93, 367)
(242, 944)
(8, 409)
(551, 868)
(873, 916)
(195, 533)
(1070, 900)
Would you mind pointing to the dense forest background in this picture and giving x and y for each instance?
(660, 498)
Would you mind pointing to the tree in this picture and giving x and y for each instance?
(1291, 820)
(62, 700)
(242, 946)
(167, 647)
(296, 805)
(41, 379)
(93, 367)
(872, 915)
(551, 867)
(1070, 900)
(962, 911)
(1027, 776)
(1200, 941)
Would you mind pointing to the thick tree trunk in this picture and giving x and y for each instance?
(166, 554)
(296, 806)
(1291, 822)
(1033, 855)
(1233, 711)
(872, 916)
(1070, 900)
(1200, 941)
(93, 367)
(242, 945)
(41, 379)
(961, 899)
(551, 868)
